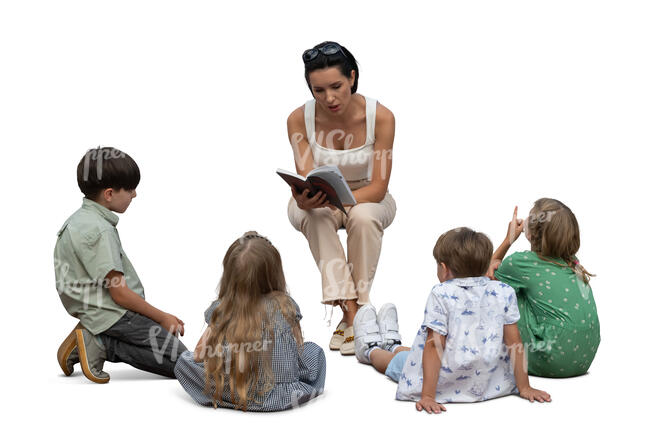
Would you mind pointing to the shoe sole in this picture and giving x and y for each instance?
(346, 353)
(83, 359)
(65, 350)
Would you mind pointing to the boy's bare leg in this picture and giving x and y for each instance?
(380, 358)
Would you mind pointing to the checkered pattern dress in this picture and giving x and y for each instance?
(299, 374)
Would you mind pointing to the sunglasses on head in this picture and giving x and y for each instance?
(327, 50)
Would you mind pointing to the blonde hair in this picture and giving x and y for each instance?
(251, 291)
(554, 232)
(466, 252)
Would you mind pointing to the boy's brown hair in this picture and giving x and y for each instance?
(465, 252)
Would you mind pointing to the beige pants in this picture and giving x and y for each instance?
(365, 223)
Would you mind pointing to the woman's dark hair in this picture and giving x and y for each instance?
(106, 167)
(344, 61)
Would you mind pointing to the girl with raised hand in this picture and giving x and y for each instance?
(559, 322)
(252, 356)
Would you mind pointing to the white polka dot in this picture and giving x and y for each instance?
(548, 270)
(573, 280)
(536, 274)
(548, 287)
(582, 321)
(547, 282)
(510, 263)
(550, 301)
(559, 347)
(525, 257)
(566, 289)
(566, 300)
(569, 340)
(553, 273)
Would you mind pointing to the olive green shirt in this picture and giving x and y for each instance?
(87, 249)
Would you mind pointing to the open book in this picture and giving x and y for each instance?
(327, 179)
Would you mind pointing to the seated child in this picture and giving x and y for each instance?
(98, 285)
(468, 347)
(252, 356)
(559, 322)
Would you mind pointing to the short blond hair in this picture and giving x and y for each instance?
(465, 252)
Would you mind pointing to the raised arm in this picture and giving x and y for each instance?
(431, 362)
(515, 228)
(383, 158)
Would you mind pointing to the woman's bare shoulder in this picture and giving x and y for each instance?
(296, 116)
(384, 115)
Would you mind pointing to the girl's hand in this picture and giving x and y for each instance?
(305, 202)
(494, 265)
(533, 395)
(429, 404)
(515, 228)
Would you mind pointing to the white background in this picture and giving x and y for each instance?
(497, 104)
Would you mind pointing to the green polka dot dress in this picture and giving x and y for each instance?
(559, 323)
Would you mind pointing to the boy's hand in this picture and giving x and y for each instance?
(173, 324)
(429, 404)
(533, 395)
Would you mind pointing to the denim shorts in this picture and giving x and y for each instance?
(394, 369)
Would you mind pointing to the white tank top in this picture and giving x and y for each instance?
(356, 163)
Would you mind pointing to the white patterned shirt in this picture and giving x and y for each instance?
(475, 366)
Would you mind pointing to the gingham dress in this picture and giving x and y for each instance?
(299, 374)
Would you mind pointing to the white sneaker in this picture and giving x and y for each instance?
(366, 332)
(388, 326)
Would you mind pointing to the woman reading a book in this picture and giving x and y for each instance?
(355, 133)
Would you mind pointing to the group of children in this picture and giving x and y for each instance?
(490, 321)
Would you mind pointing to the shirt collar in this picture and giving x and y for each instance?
(106, 213)
(470, 282)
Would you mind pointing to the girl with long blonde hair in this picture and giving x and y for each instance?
(559, 323)
(252, 356)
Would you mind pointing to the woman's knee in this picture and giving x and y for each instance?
(362, 219)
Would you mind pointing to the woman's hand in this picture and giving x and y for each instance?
(515, 228)
(305, 202)
(429, 405)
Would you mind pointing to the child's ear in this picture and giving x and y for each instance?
(107, 194)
